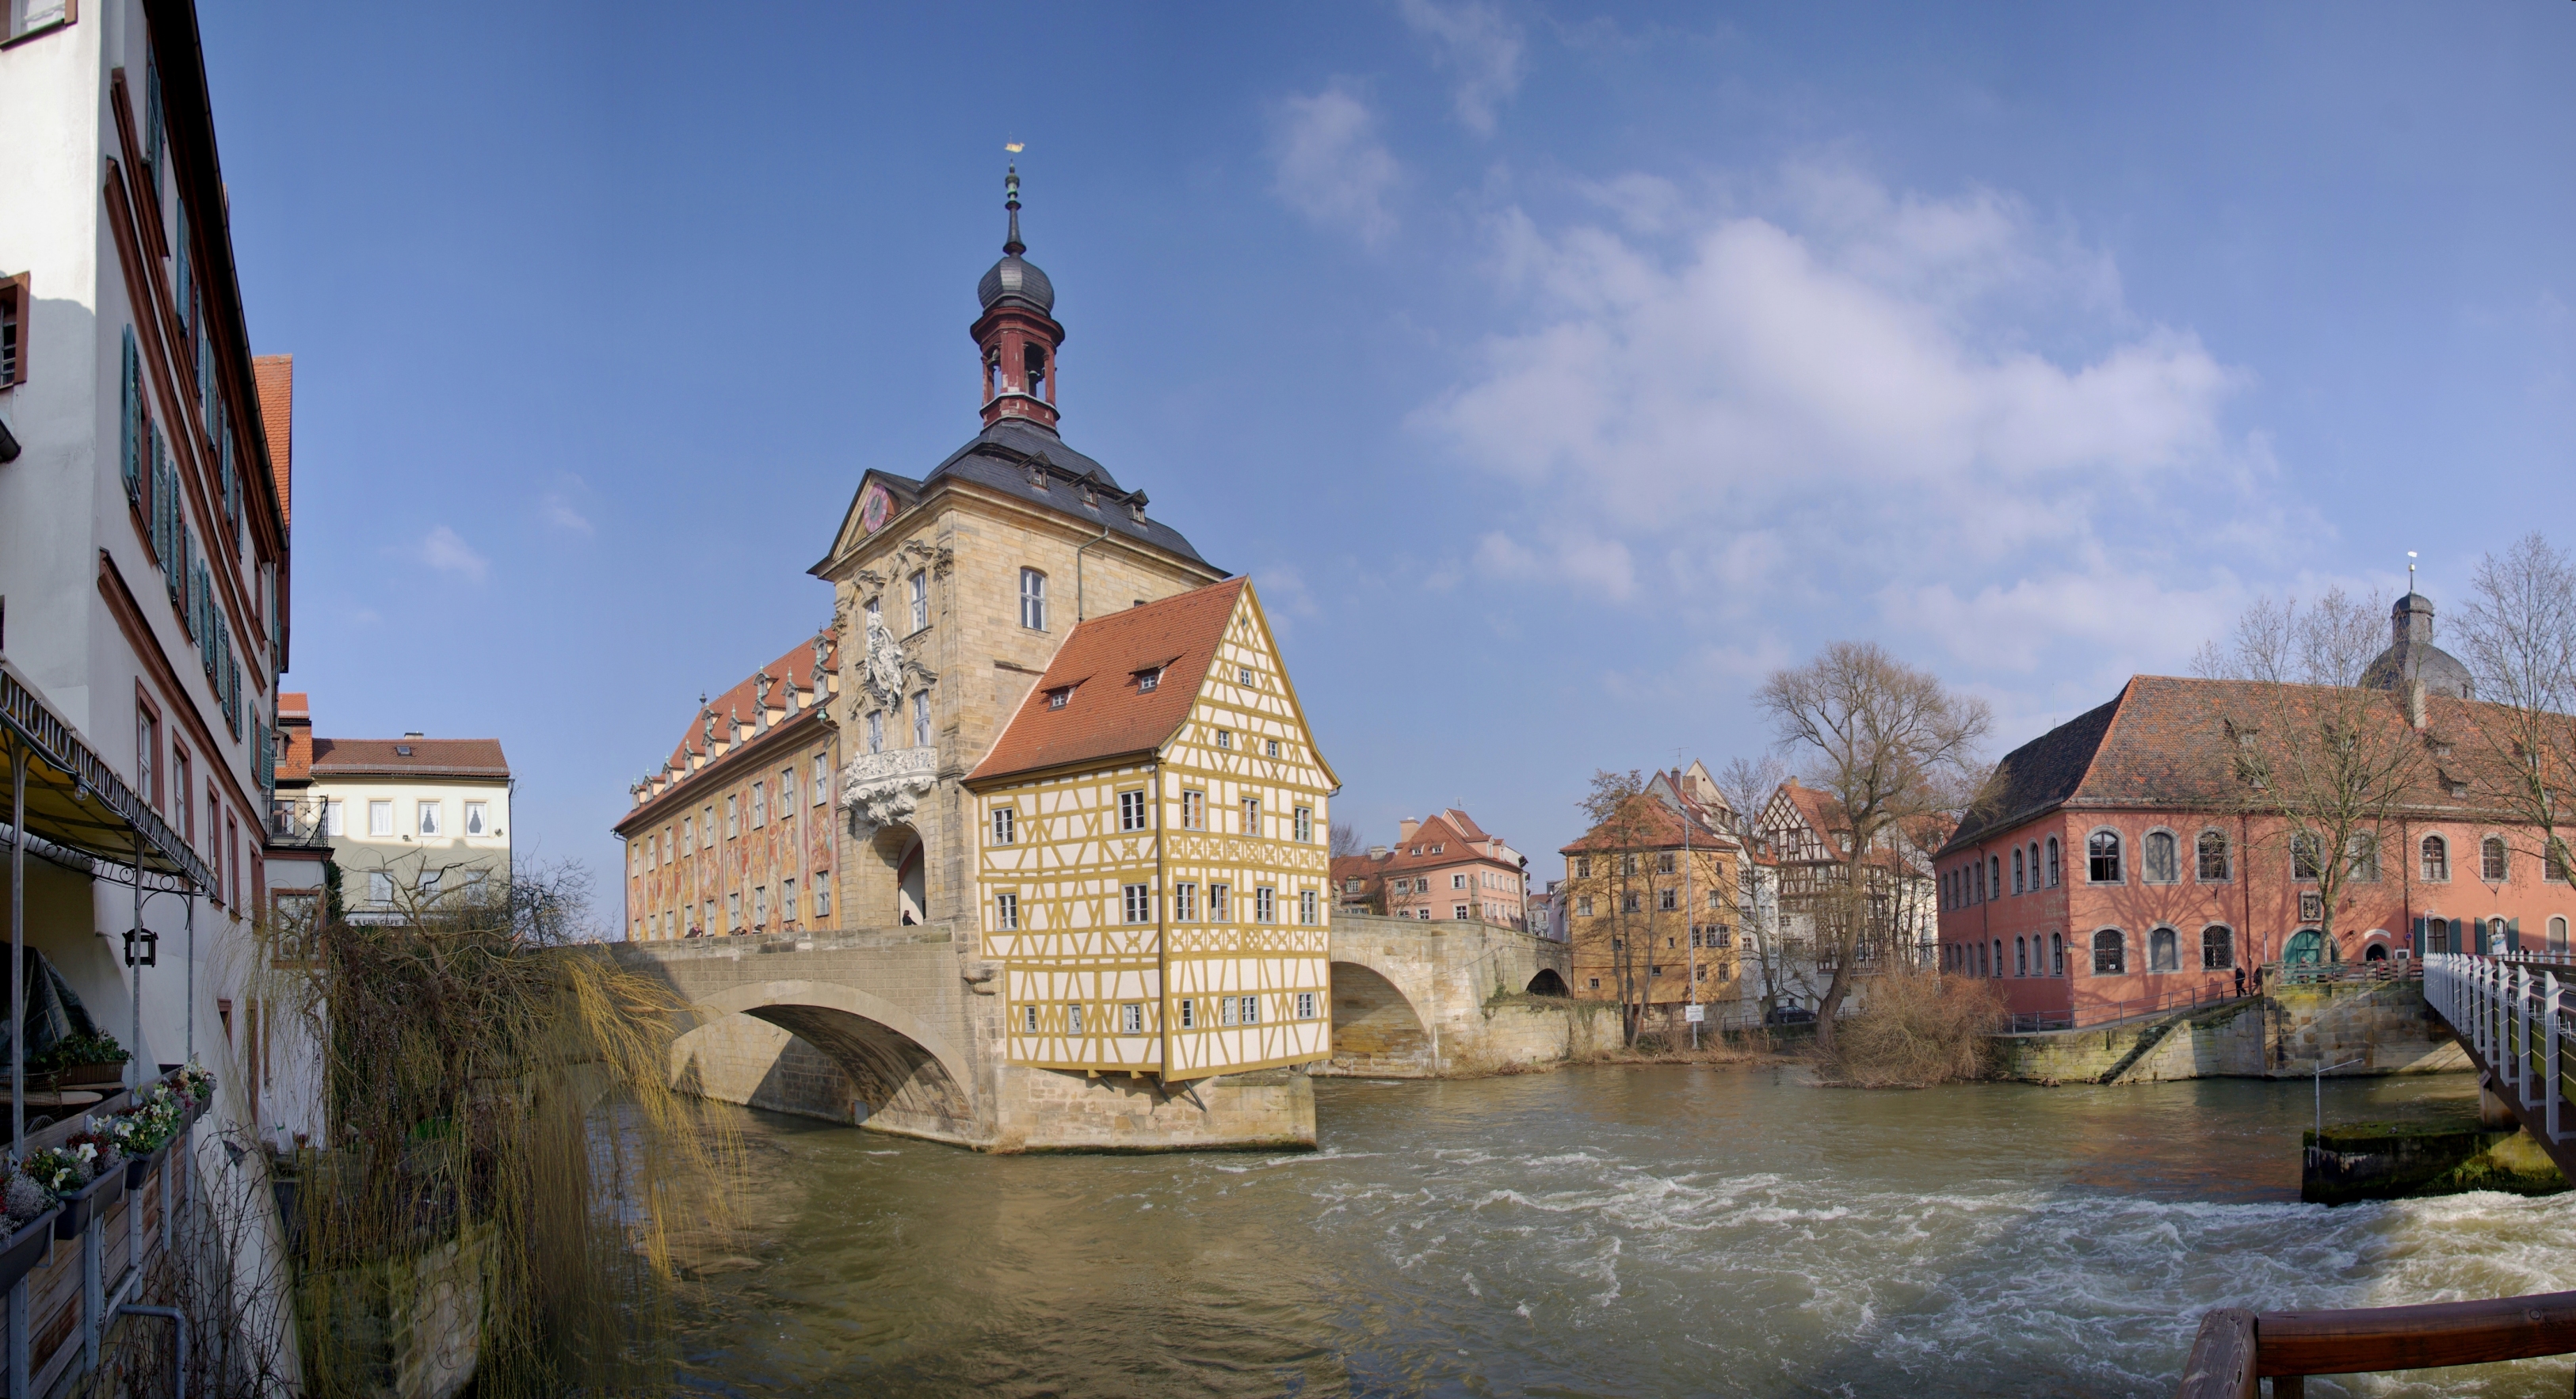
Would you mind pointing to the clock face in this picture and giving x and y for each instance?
(874, 507)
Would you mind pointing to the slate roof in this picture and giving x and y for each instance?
(428, 757)
(999, 459)
(2038, 775)
(1105, 714)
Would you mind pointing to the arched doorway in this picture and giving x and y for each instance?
(2376, 952)
(893, 887)
(2306, 948)
(1547, 983)
(909, 898)
(1375, 1030)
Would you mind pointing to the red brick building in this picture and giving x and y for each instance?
(2117, 862)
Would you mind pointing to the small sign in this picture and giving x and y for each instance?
(1694, 1014)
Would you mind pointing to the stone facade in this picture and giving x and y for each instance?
(2287, 1033)
(1450, 999)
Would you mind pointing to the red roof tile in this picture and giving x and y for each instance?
(276, 376)
(1657, 826)
(1105, 714)
(743, 700)
(1442, 841)
(427, 757)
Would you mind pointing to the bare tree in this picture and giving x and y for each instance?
(1622, 826)
(2519, 631)
(1747, 785)
(1886, 741)
(1346, 840)
(2326, 759)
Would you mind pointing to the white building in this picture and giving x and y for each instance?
(143, 552)
(408, 821)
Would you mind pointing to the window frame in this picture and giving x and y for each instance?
(1005, 828)
(2433, 859)
(2492, 843)
(1135, 904)
(2146, 856)
(2225, 948)
(429, 818)
(1006, 910)
(1033, 600)
(376, 806)
(2117, 946)
(1304, 825)
(917, 597)
(2200, 857)
(2162, 938)
(2093, 857)
(1132, 815)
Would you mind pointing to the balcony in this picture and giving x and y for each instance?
(296, 822)
(882, 789)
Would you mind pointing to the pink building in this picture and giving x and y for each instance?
(1444, 866)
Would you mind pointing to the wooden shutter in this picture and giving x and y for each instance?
(130, 449)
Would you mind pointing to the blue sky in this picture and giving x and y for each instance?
(1555, 371)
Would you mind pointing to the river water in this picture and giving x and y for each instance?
(1624, 1231)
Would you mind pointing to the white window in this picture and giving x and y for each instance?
(786, 792)
(1006, 912)
(332, 817)
(920, 601)
(1457, 881)
(1306, 905)
(1251, 1014)
(1073, 1020)
(1005, 825)
(380, 888)
(1033, 599)
(380, 818)
(787, 900)
(760, 906)
(1305, 1005)
(1147, 681)
(1194, 811)
(876, 730)
(1225, 738)
(428, 813)
(1252, 816)
(733, 912)
(1265, 905)
(1189, 1013)
(1306, 825)
(1131, 811)
(1220, 902)
(822, 779)
(428, 885)
(1139, 900)
(1243, 675)
(1226, 1010)
(759, 805)
(1185, 903)
(1029, 1019)
(921, 718)
(1131, 1019)
(1458, 911)
(478, 818)
(822, 894)
(1273, 748)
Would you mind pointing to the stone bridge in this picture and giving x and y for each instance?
(899, 1029)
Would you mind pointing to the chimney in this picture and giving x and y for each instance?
(1405, 828)
(414, 734)
(2415, 703)
(1377, 852)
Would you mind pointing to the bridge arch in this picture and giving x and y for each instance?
(904, 1073)
(1377, 1029)
(1548, 983)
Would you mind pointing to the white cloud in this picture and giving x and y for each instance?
(445, 550)
(1479, 47)
(1854, 397)
(557, 510)
(1330, 165)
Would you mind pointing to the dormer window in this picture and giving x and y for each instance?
(1146, 680)
(1057, 697)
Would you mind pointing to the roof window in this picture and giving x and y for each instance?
(1146, 680)
(1056, 697)
(402, 750)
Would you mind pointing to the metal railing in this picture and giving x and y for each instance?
(297, 822)
(2514, 1019)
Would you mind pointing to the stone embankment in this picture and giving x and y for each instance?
(2410, 1160)
(2288, 1032)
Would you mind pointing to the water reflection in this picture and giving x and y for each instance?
(1663, 1231)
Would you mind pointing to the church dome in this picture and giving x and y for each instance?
(2411, 655)
(1016, 276)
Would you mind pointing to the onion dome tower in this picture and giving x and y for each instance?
(1017, 334)
(2411, 655)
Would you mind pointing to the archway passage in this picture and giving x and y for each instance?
(890, 1077)
(828, 1050)
(1375, 1029)
(2378, 952)
(910, 894)
(1547, 983)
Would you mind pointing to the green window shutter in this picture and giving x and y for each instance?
(129, 456)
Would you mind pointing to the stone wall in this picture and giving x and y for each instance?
(1449, 999)
(2289, 1032)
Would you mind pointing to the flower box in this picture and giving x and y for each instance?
(139, 1168)
(93, 1076)
(86, 1202)
(27, 1249)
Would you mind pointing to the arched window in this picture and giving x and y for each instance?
(2307, 856)
(2057, 954)
(2213, 857)
(2164, 951)
(2052, 862)
(2361, 856)
(1983, 968)
(2017, 870)
(2554, 868)
(1995, 870)
(1033, 600)
(2437, 860)
(2558, 935)
(2102, 863)
(2109, 953)
(2217, 949)
(2163, 860)
(2491, 863)
(2500, 936)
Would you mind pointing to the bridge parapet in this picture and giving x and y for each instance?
(1452, 998)
(2513, 1016)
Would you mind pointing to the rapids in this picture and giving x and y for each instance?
(1602, 1231)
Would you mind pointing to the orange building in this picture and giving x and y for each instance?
(735, 833)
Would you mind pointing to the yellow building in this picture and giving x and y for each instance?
(1152, 865)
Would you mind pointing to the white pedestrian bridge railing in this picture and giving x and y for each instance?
(2516, 1014)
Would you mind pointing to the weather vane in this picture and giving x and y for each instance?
(1013, 147)
(2410, 570)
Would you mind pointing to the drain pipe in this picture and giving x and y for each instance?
(178, 1322)
(1077, 569)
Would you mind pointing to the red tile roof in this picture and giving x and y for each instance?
(1657, 826)
(742, 702)
(427, 757)
(276, 376)
(1105, 715)
(1443, 840)
(294, 704)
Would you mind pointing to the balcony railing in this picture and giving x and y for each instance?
(297, 821)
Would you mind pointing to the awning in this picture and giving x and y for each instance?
(81, 808)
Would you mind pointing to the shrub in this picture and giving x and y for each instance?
(1916, 1029)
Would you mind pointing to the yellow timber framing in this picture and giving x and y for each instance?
(1068, 867)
